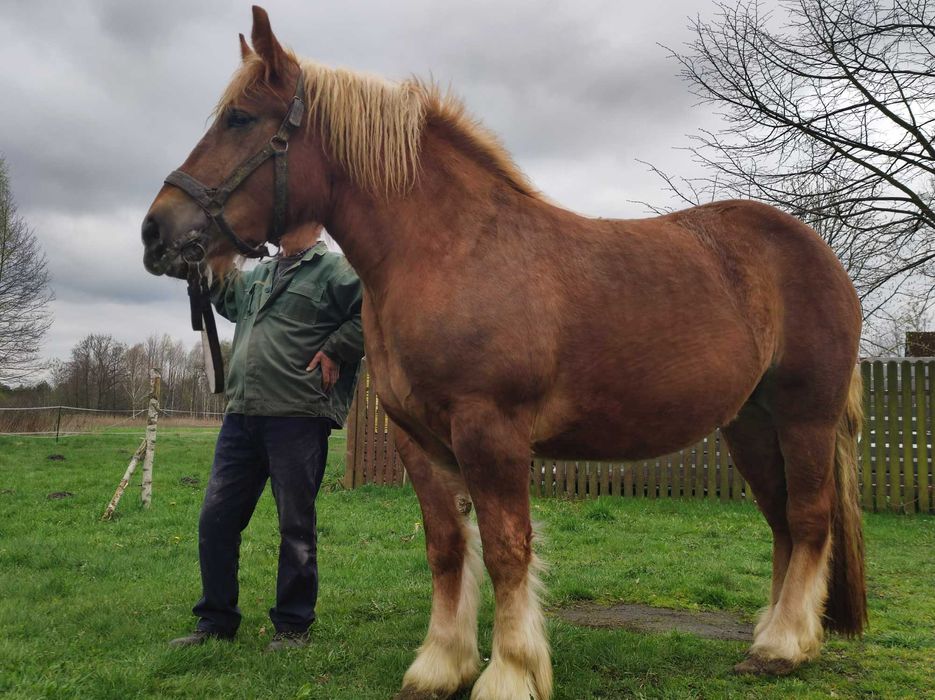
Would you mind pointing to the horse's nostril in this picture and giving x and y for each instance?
(150, 231)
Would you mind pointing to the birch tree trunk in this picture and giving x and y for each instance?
(124, 482)
(146, 491)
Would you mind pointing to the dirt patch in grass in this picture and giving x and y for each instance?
(644, 618)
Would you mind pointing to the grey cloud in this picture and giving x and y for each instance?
(93, 259)
(107, 281)
(124, 321)
(150, 25)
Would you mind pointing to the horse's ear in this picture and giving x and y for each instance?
(266, 44)
(245, 50)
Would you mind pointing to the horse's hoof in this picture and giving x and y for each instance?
(410, 693)
(759, 666)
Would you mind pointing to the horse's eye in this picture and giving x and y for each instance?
(236, 119)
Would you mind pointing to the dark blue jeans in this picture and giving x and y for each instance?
(291, 453)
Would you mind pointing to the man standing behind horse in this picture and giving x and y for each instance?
(293, 368)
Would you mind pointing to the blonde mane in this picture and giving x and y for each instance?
(373, 127)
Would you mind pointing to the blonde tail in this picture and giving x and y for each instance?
(846, 609)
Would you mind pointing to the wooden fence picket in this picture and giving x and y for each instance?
(881, 436)
(924, 378)
(865, 440)
(907, 431)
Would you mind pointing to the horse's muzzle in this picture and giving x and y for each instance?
(166, 249)
(158, 262)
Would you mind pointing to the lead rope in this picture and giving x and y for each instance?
(199, 297)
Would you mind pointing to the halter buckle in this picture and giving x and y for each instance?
(296, 110)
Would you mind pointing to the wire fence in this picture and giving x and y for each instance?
(68, 421)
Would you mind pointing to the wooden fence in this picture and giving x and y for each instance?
(896, 451)
(371, 449)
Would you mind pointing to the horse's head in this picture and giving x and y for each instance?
(239, 188)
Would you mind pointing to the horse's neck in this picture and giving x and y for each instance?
(443, 215)
(371, 232)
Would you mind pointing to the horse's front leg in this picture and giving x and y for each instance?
(494, 455)
(448, 659)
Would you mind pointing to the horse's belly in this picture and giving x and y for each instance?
(636, 418)
(611, 440)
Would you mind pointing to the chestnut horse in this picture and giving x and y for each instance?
(499, 325)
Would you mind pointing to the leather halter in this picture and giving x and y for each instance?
(213, 199)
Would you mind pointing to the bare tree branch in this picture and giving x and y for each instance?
(827, 109)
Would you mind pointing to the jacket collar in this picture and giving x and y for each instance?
(318, 249)
(315, 251)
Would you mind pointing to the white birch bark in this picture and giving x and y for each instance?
(146, 490)
(112, 506)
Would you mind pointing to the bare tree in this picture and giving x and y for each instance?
(104, 373)
(24, 291)
(107, 357)
(887, 336)
(78, 374)
(828, 114)
(136, 380)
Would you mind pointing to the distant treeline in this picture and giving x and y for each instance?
(105, 374)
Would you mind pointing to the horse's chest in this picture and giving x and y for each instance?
(407, 404)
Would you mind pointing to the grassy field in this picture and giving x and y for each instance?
(86, 607)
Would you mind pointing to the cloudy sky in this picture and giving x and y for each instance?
(102, 98)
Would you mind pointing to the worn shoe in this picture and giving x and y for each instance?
(198, 637)
(288, 640)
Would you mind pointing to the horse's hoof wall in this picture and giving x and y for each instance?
(759, 666)
(410, 693)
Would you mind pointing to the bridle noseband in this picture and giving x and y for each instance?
(213, 199)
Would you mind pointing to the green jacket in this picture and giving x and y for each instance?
(314, 306)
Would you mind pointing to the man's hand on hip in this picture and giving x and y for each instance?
(330, 370)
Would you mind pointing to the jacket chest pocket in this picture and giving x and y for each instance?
(301, 302)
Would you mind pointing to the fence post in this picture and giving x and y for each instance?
(146, 490)
(350, 455)
(58, 423)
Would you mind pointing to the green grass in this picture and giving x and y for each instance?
(86, 607)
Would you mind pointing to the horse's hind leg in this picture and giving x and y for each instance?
(494, 456)
(448, 658)
(793, 633)
(754, 447)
